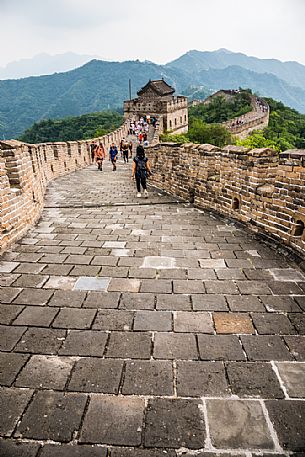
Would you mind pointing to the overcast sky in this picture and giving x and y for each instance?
(156, 30)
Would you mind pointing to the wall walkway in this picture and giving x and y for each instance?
(149, 328)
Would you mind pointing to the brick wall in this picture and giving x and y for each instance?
(259, 187)
(26, 170)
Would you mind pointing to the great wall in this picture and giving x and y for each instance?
(259, 187)
(171, 325)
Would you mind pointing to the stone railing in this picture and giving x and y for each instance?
(259, 187)
(26, 170)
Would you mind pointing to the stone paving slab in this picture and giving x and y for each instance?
(147, 329)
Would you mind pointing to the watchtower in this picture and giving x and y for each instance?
(156, 99)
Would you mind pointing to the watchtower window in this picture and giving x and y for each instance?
(170, 124)
(180, 119)
(235, 203)
(299, 228)
(175, 121)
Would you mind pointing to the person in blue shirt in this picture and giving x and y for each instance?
(113, 154)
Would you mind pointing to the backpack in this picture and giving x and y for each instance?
(141, 169)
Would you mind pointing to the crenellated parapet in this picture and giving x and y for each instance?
(26, 170)
(260, 187)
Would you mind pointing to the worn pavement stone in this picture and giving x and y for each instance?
(11, 448)
(137, 301)
(41, 341)
(296, 345)
(96, 375)
(153, 320)
(193, 322)
(166, 427)
(102, 300)
(129, 345)
(220, 347)
(198, 379)
(52, 416)
(233, 323)
(74, 318)
(265, 347)
(209, 302)
(173, 302)
(9, 312)
(39, 297)
(238, 424)
(48, 372)
(84, 343)
(105, 420)
(36, 316)
(293, 377)
(253, 380)
(288, 418)
(137, 452)
(9, 336)
(10, 365)
(272, 324)
(75, 450)
(67, 298)
(148, 377)
(12, 402)
(175, 346)
(113, 319)
(248, 303)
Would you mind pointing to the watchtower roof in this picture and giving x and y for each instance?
(159, 87)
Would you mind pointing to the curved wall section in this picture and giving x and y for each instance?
(259, 187)
(25, 171)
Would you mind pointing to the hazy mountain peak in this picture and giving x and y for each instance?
(43, 64)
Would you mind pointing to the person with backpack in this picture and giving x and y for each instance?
(113, 154)
(140, 170)
(99, 156)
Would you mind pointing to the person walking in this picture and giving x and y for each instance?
(125, 149)
(113, 154)
(99, 156)
(140, 170)
(130, 149)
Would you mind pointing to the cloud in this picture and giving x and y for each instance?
(64, 14)
(158, 30)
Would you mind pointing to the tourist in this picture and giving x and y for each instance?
(99, 156)
(140, 170)
(130, 149)
(125, 149)
(93, 147)
(113, 154)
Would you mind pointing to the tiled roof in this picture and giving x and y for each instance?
(160, 87)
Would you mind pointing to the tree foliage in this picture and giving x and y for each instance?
(73, 128)
(220, 109)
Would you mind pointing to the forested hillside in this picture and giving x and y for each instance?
(97, 86)
(101, 85)
(73, 128)
(286, 128)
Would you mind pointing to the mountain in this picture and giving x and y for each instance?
(43, 64)
(264, 84)
(291, 72)
(100, 85)
(96, 86)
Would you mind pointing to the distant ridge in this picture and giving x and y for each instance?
(43, 64)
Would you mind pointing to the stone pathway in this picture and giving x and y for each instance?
(147, 328)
